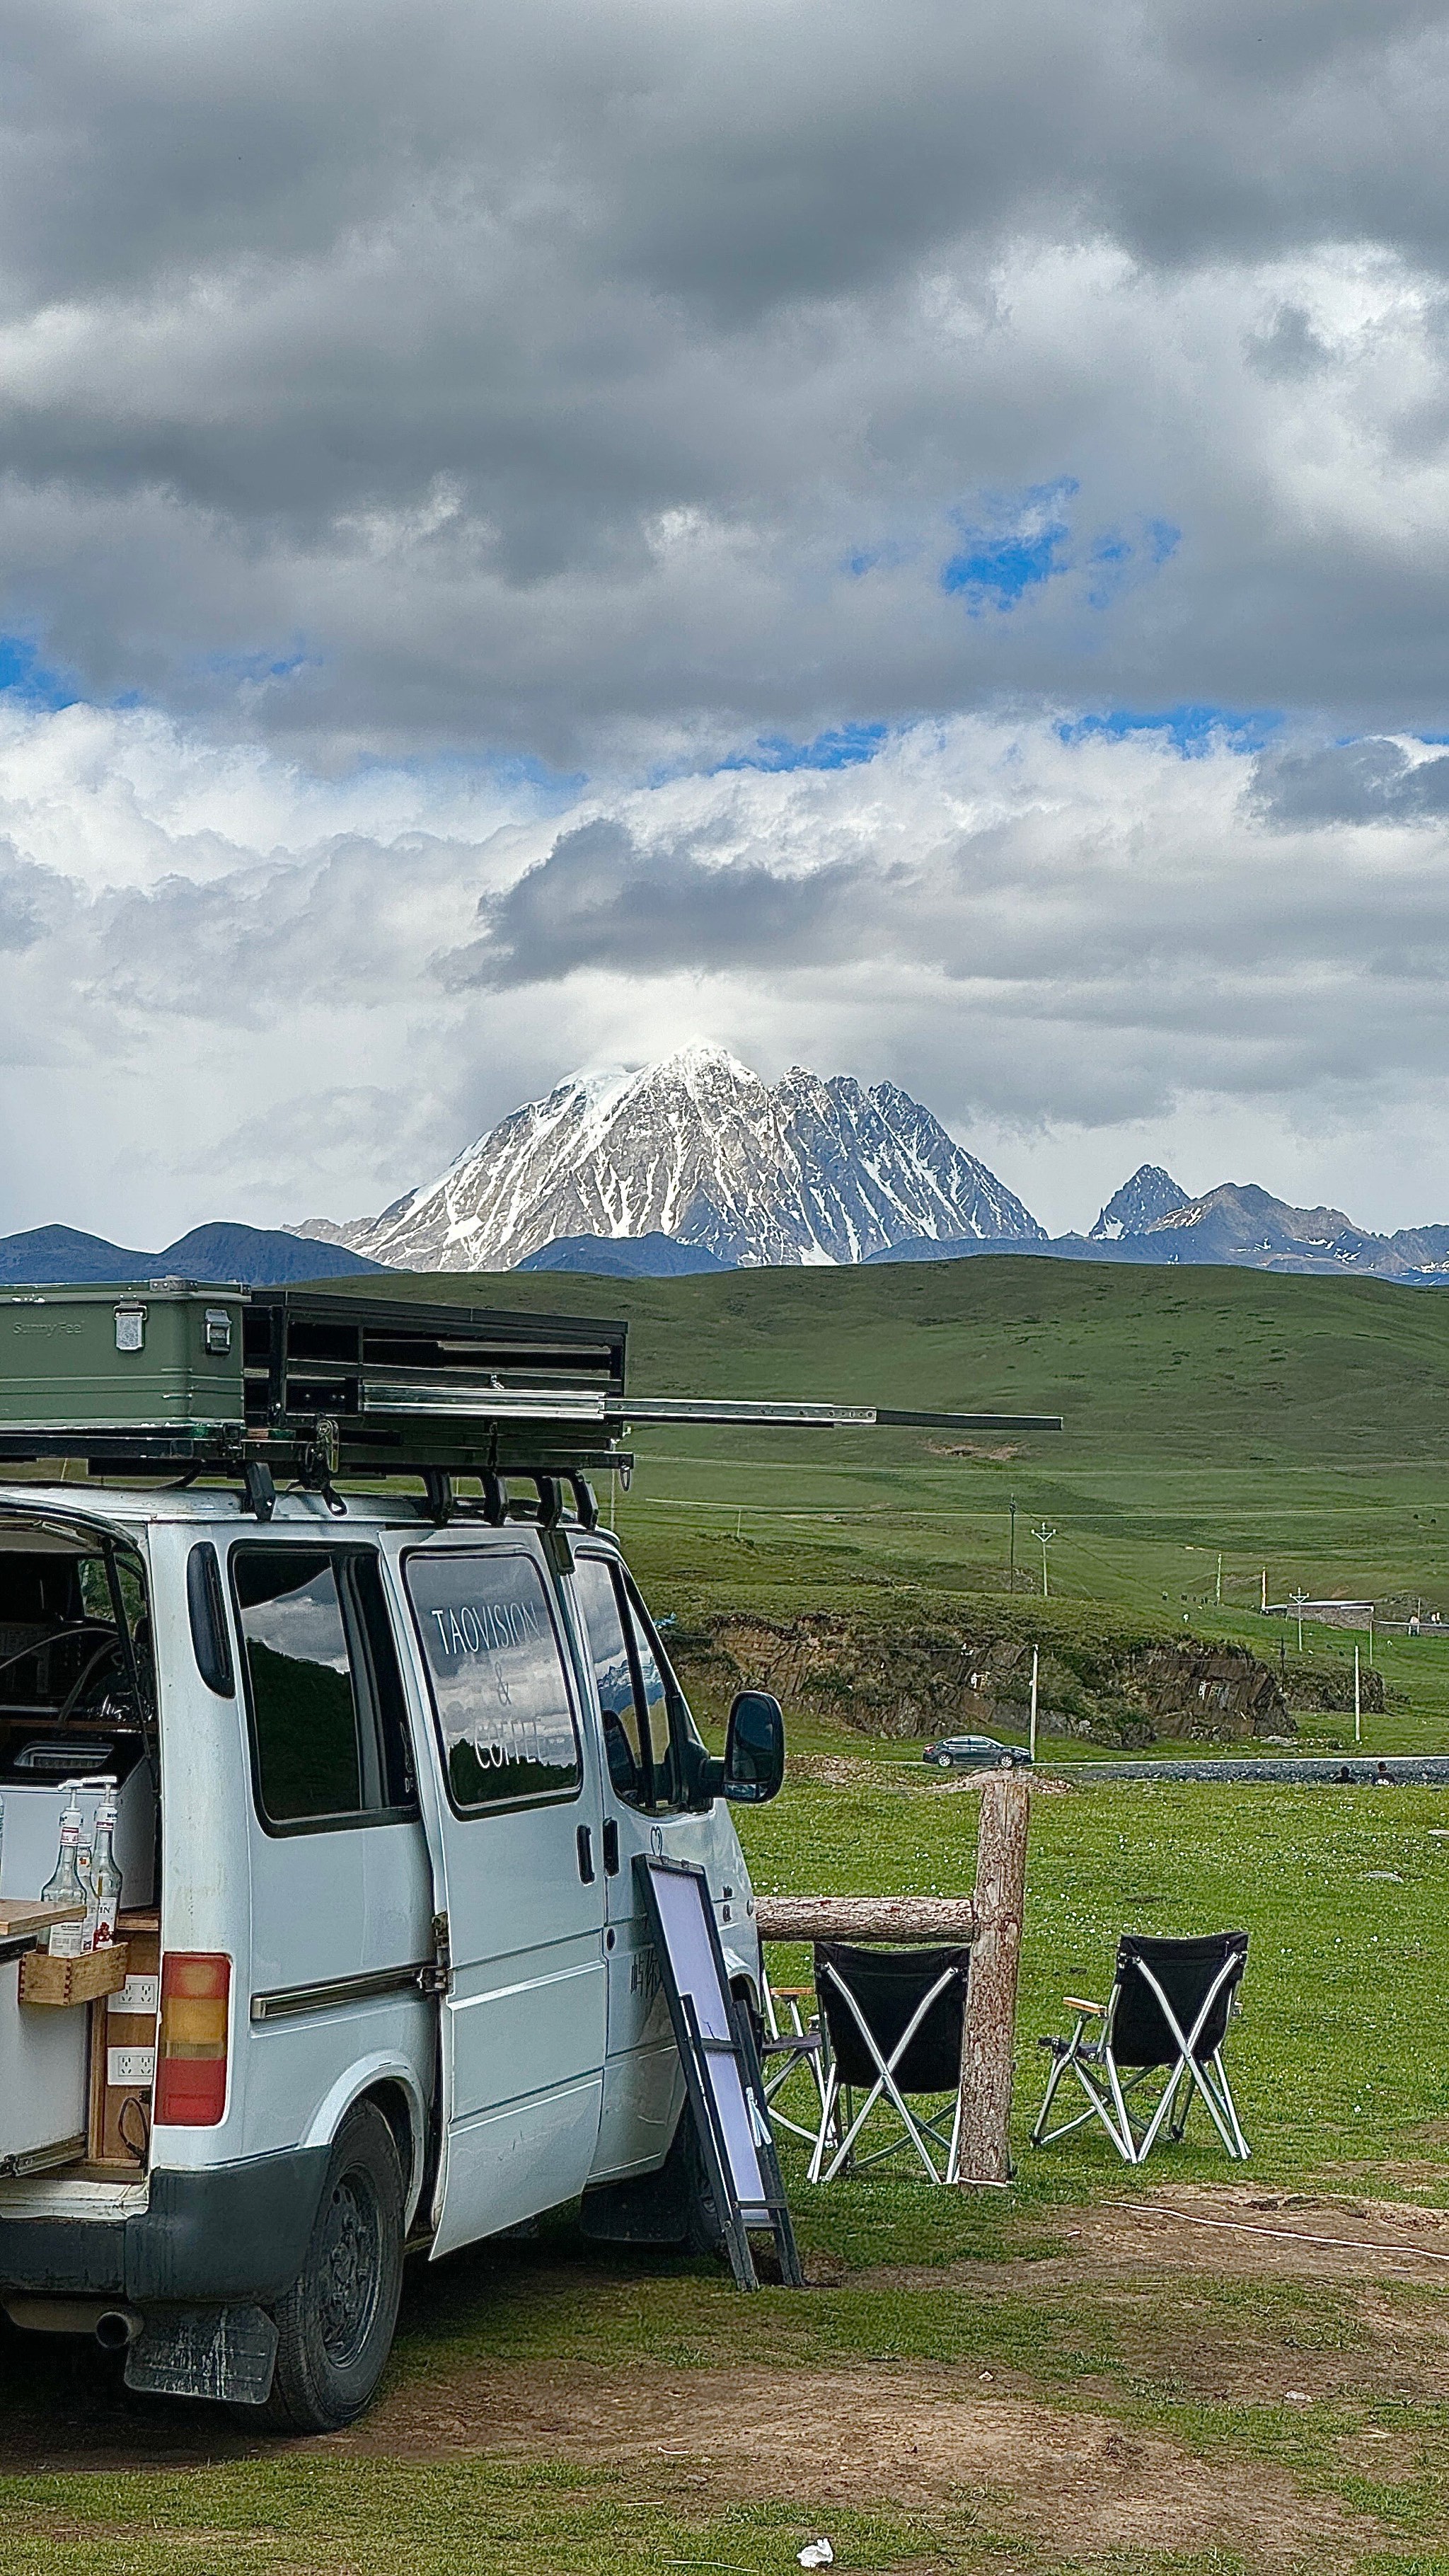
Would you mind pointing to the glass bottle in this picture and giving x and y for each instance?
(105, 1878)
(67, 1940)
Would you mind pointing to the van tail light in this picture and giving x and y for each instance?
(192, 2039)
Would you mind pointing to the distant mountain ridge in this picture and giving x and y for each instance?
(1237, 1225)
(52, 1256)
(624, 1256)
(701, 1150)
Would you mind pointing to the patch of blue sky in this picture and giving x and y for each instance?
(24, 676)
(253, 669)
(1017, 545)
(841, 747)
(882, 558)
(1193, 730)
(1115, 560)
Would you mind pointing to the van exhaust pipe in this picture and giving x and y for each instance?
(117, 2328)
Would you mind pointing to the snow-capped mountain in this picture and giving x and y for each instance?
(1150, 1195)
(699, 1148)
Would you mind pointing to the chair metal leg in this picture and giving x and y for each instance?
(1099, 2107)
(1058, 2070)
(1244, 2150)
(827, 2113)
(953, 2157)
(1125, 2140)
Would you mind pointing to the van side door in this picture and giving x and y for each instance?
(513, 1801)
(648, 1739)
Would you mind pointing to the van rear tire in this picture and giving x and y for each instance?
(335, 2326)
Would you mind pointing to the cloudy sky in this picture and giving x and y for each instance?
(909, 540)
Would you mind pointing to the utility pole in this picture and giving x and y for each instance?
(1357, 1703)
(1298, 1598)
(1035, 1663)
(1265, 1592)
(1371, 1641)
(1011, 1507)
(1044, 1537)
(1220, 1578)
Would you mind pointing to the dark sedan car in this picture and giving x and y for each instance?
(974, 1753)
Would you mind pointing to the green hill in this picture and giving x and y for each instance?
(1169, 1363)
(1296, 1425)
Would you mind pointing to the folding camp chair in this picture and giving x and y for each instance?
(1168, 2012)
(893, 2020)
(789, 2051)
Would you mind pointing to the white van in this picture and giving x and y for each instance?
(382, 1776)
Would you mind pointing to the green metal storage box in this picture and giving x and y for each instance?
(159, 1355)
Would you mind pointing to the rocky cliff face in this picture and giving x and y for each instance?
(1150, 1195)
(918, 1681)
(700, 1149)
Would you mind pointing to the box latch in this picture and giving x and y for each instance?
(130, 1328)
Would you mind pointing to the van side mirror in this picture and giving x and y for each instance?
(754, 1759)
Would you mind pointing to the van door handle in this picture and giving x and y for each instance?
(586, 1855)
(611, 1848)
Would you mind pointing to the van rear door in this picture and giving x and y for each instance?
(512, 1785)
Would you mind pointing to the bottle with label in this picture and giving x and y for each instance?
(83, 1873)
(104, 1886)
(67, 1940)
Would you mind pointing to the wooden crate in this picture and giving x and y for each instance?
(44, 1980)
(123, 2048)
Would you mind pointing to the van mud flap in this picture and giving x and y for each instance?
(205, 2352)
(672, 2207)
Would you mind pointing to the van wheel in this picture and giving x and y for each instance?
(335, 2327)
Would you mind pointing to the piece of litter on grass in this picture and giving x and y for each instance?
(816, 2553)
(1296, 2397)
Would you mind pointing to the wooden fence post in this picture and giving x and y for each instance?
(988, 2037)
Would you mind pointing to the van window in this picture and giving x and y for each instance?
(626, 1745)
(500, 1692)
(324, 1697)
(647, 1723)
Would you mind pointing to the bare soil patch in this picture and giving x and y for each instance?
(868, 2437)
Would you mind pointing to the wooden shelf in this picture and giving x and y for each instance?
(23, 1916)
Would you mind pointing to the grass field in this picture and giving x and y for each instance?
(1075, 2378)
(552, 2406)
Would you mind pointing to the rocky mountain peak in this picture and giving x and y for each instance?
(698, 1147)
(1141, 1203)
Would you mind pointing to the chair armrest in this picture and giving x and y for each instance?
(1077, 2003)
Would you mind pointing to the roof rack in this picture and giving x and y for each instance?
(311, 1384)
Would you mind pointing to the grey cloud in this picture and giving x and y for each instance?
(597, 901)
(1292, 349)
(524, 380)
(1371, 781)
(27, 900)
